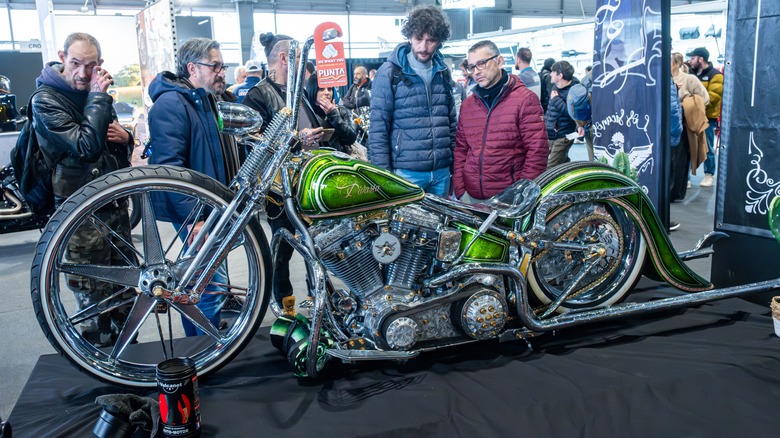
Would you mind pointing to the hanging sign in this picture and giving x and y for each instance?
(331, 64)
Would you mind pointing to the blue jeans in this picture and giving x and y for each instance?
(210, 303)
(709, 163)
(436, 182)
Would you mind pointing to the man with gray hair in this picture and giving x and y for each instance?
(501, 136)
(76, 126)
(183, 130)
(239, 74)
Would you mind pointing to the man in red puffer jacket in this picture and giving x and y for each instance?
(501, 136)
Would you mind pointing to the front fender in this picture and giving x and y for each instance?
(664, 263)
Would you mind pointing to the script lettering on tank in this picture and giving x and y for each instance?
(356, 189)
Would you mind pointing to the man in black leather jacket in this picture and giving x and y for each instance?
(77, 129)
(359, 94)
(267, 98)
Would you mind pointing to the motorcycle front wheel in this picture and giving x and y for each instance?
(602, 280)
(102, 314)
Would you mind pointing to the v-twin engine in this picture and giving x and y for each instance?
(383, 260)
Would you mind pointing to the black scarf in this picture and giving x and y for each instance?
(489, 95)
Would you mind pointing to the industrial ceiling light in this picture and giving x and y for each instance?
(84, 9)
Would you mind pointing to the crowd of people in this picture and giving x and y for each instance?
(468, 141)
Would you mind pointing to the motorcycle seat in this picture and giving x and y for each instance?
(516, 200)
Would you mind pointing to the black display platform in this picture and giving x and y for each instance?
(710, 371)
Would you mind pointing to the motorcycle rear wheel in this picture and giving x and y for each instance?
(610, 278)
(150, 333)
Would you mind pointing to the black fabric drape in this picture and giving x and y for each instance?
(711, 371)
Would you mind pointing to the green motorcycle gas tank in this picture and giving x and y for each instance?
(332, 184)
(487, 248)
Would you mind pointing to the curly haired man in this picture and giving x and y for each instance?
(413, 119)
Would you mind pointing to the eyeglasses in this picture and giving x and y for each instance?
(480, 65)
(215, 67)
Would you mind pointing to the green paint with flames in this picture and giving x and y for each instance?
(666, 265)
(333, 186)
(487, 248)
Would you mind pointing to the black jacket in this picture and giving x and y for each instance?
(266, 98)
(557, 119)
(72, 126)
(344, 134)
(546, 82)
(357, 97)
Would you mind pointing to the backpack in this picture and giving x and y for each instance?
(544, 95)
(32, 169)
(578, 103)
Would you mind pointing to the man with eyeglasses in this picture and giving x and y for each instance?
(413, 121)
(501, 136)
(184, 131)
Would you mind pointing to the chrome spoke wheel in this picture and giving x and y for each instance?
(111, 312)
(604, 232)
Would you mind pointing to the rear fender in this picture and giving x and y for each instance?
(664, 263)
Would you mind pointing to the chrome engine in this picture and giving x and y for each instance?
(383, 260)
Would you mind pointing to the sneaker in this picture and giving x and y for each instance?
(673, 225)
(689, 184)
(707, 181)
(233, 304)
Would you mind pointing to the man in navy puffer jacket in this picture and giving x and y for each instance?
(184, 132)
(413, 119)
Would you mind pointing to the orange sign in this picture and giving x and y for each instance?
(331, 64)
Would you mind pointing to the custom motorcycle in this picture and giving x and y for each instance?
(392, 271)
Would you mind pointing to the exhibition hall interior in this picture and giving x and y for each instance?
(389, 218)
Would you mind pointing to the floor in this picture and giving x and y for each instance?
(22, 342)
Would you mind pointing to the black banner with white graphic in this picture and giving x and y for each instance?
(749, 156)
(627, 90)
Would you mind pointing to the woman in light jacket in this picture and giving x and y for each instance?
(693, 97)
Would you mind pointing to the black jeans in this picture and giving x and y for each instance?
(679, 168)
(281, 285)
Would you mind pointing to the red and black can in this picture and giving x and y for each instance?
(177, 383)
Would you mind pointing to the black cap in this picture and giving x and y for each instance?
(700, 51)
(548, 63)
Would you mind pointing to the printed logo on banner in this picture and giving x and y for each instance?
(331, 64)
(622, 139)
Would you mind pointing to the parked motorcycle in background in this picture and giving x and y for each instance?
(419, 272)
(15, 215)
(362, 119)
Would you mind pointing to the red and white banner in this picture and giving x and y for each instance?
(331, 64)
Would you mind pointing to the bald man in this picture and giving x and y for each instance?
(359, 93)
